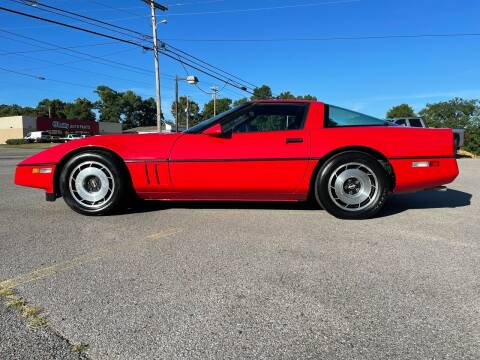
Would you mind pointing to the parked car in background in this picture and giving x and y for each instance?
(458, 134)
(70, 137)
(56, 139)
(38, 135)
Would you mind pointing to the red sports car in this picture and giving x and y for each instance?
(259, 151)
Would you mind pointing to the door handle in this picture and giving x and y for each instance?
(293, 140)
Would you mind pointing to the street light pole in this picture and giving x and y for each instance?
(192, 80)
(154, 6)
(188, 110)
(214, 95)
(176, 103)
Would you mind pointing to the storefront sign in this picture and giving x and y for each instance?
(68, 126)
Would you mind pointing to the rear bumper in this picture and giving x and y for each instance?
(440, 171)
(36, 176)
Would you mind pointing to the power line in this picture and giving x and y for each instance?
(196, 83)
(165, 51)
(333, 38)
(229, 11)
(195, 3)
(68, 66)
(210, 65)
(196, 63)
(44, 78)
(96, 22)
(74, 27)
(53, 48)
(22, 73)
(183, 63)
(125, 10)
(38, 77)
(93, 58)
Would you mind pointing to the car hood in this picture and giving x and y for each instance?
(127, 146)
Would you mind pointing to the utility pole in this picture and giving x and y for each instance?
(214, 96)
(153, 6)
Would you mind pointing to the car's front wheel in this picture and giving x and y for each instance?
(352, 185)
(93, 183)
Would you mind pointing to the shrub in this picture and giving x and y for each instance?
(17, 141)
(472, 140)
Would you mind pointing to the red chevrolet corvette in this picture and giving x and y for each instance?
(259, 151)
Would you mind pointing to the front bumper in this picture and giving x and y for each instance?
(40, 176)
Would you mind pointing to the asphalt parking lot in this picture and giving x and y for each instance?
(256, 281)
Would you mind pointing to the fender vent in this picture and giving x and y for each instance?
(156, 174)
(146, 174)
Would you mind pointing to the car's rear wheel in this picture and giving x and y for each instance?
(93, 183)
(352, 185)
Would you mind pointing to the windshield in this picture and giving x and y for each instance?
(336, 116)
(205, 124)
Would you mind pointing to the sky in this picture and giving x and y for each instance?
(364, 75)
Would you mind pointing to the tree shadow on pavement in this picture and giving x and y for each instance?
(428, 199)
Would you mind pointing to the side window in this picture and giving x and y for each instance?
(268, 117)
(416, 123)
(337, 116)
(401, 122)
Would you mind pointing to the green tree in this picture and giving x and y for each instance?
(457, 113)
(240, 101)
(131, 109)
(307, 97)
(149, 112)
(193, 112)
(221, 106)
(15, 110)
(472, 142)
(401, 111)
(54, 108)
(109, 105)
(452, 114)
(262, 93)
(81, 108)
(286, 95)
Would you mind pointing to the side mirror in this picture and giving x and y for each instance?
(215, 130)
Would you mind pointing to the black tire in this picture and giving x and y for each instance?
(346, 179)
(79, 187)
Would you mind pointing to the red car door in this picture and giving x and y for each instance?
(262, 154)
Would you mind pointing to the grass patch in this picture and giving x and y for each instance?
(29, 311)
(37, 322)
(79, 348)
(6, 292)
(16, 303)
